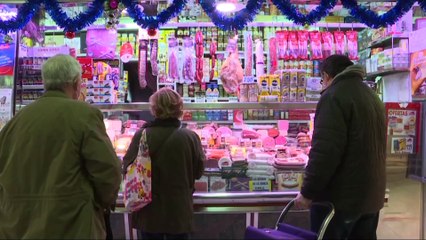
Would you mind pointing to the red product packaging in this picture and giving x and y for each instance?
(293, 45)
(339, 37)
(316, 45)
(352, 37)
(328, 44)
(303, 44)
(282, 40)
(86, 66)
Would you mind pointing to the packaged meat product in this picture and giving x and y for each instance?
(273, 55)
(328, 44)
(280, 140)
(352, 38)
(224, 131)
(173, 59)
(273, 132)
(260, 59)
(213, 49)
(248, 54)
(189, 61)
(231, 73)
(268, 142)
(143, 48)
(293, 45)
(199, 53)
(154, 56)
(303, 44)
(340, 44)
(282, 42)
(248, 133)
(316, 47)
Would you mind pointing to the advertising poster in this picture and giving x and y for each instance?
(5, 106)
(7, 48)
(403, 127)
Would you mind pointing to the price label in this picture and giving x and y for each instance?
(187, 100)
(233, 99)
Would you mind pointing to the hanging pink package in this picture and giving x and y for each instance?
(199, 52)
(189, 60)
(101, 43)
(352, 37)
(316, 46)
(328, 44)
(282, 42)
(293, 45)
(173, 59)
(303, 44)
(273, 55)
(339, 38)
(143, 58)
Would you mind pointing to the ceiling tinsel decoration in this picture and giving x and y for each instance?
(236, 22)
(153, 22)
(25, 14)
(374, 20)
(85, 19)
(112, 14)
(314, 16)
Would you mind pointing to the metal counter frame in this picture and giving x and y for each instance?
(251, 203)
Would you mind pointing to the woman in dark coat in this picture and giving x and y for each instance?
(177, 161)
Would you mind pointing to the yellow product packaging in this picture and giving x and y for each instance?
(264, 85)
(285, 78)
(293, 94)
(301, 92)
(301, 79)
(285, 94)
(293, 78)
(275, 85)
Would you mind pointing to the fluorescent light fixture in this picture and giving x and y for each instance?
(226, 7)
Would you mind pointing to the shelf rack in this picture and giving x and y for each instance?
(144, 106)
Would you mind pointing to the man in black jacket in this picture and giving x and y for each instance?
(347, 160)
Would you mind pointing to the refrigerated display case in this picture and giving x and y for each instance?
(227, 193)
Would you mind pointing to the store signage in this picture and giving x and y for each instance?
(403, 129)
(46, 52)
(7, 59)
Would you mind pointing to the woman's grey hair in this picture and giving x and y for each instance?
(59, 71)
(166, 103)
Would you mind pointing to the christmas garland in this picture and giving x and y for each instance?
(238, 21)
(77, 23)
(314, 16)
(24, 15)
(373, 20)
(153, 22)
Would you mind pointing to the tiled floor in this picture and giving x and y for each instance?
(400, 219)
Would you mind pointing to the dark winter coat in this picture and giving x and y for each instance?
(177, 160)
(347, 159)
(58, 171)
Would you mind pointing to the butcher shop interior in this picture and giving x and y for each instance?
(248, 72)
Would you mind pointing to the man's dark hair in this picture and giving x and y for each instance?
(335, 64)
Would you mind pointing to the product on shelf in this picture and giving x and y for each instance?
(153, 56)
(173, 59)
(231, 73)
(248, 54)
(189, 60)
(199, 51)
(143, 58)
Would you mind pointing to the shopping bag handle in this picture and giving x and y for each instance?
(324, 224)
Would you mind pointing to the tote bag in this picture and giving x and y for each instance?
(137, 182)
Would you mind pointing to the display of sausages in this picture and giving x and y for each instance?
(199, 53)
(143, 50)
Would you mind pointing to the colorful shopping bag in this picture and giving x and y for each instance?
(137, 182)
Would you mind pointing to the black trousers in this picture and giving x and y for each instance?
(108, 228)
(345, 226)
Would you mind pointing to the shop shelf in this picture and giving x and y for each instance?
(386, 42)
(171, 25)
(247, 121)
(210, 106)
(387, 72)
(31, 87)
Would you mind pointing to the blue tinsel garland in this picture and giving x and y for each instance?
(153, 21)
(77, 23)
(422, 4)
(238, 21)
(24, 15)
(373, 20)
(314, 16)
